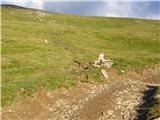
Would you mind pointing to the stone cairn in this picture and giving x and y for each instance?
(103, 63)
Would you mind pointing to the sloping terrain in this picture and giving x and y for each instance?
(39, 49)
(122, 98)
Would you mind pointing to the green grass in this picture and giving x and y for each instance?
(28, 62)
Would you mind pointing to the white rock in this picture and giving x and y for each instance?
(102, 62)
(108, 64)
(46, 41)
(51, 109)
(122, 71)
(101, 57)
(104, 73)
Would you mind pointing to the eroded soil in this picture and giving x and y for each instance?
(119, 98)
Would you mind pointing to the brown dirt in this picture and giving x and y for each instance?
(115, 99)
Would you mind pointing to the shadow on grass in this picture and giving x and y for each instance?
(148, 98)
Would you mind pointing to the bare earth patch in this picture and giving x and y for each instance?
(115, 99)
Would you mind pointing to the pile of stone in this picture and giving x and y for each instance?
(103, 63)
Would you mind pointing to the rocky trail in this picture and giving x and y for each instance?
(117, 99)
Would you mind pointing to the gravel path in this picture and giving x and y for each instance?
(112, 100)
(116, 100)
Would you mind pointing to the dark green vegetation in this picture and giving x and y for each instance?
(154, 107)
(149, 109)
(28, 62)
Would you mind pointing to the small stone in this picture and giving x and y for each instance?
(104, 73)
(50, 109)
(46, 41)
(102, 62)
(10, 111)
(122, 71)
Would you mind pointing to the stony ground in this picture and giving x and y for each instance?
(116, 99)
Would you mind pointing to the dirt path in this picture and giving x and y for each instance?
(114, 101)
(118, 99)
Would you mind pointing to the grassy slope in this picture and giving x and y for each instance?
(27, 62)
